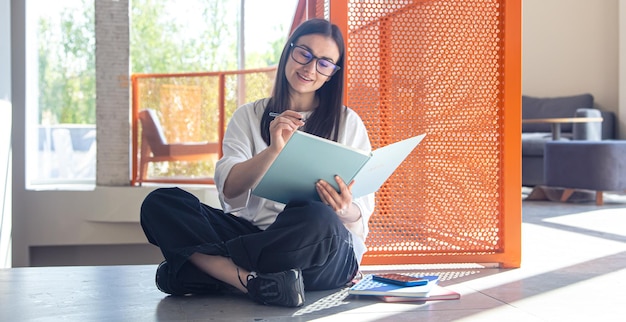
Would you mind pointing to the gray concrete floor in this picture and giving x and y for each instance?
(573, 269)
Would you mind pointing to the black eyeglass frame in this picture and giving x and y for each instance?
(313, 57)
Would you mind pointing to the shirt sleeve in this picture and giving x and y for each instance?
(238, 146)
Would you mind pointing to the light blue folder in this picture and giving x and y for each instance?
(307, 158)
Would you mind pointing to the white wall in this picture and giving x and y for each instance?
(77, 225)
(571, 47)
(5, 134)
(5, 52)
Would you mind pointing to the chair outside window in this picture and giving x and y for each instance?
(155, 148)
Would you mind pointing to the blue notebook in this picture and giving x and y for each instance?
(367, 286)
(307, 158)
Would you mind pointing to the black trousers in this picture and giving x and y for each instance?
(306, 235)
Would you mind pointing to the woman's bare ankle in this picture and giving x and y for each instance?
(222, 268)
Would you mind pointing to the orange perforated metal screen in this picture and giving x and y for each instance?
(433, 67)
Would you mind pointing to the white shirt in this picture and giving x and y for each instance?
(243, 140)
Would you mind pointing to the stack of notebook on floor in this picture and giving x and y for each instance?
(426, 289)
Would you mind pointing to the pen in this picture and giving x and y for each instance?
(274, 114)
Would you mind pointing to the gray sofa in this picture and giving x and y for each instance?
(535, 135)
(586, 165)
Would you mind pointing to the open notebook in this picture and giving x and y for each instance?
(307, 158)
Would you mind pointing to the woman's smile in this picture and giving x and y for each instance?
(304, 78)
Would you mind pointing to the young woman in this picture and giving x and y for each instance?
(266, 249)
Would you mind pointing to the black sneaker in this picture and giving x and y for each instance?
(284, 288)
(192, 281)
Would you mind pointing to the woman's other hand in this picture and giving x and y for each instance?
(340, 201)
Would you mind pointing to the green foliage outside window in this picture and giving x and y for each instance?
(160, 42)
(67, 80)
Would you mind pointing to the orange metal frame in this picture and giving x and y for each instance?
(137, 105)
(383, 247)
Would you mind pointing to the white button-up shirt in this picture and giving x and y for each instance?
(243, 140)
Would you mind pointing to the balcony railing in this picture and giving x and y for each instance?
(192, 108)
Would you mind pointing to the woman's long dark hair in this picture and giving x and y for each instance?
(324, 121)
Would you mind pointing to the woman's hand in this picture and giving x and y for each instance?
(245, 175)
(340, 201)
(282, 127)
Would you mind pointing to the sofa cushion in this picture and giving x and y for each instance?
(552, 107)
(533, 143)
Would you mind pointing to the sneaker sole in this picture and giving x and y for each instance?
(298, 287)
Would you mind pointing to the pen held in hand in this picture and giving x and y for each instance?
(274, 114)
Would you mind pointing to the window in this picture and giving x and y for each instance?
(60, 103)
(60, 106)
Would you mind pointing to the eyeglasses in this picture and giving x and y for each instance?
(303, 56)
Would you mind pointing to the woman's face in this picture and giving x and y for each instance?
(304, 79)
